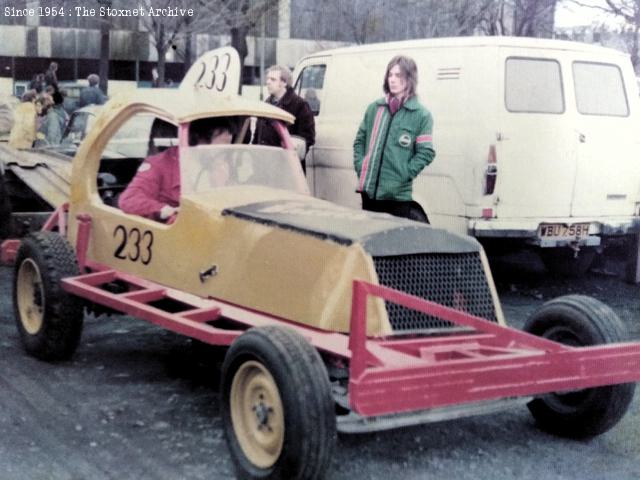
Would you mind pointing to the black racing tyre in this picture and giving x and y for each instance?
(563, 262)
(277, 409)
(5, 209)
(49, 320)
(578, 320)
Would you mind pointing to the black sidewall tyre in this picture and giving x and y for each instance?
(579, 320)
(305, 391)
(59, 335)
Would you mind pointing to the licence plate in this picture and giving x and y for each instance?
(564, 230)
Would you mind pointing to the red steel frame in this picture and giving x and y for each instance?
(386, 374)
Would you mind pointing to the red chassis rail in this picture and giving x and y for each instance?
(490, 363)
(387, 375)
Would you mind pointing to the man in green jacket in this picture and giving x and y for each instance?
(394, 144)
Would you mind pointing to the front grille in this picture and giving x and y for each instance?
(453, 280)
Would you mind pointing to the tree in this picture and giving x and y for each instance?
(383, 20)
(236, 17)
(520, 18)
(533, 18)
(241, 17)
(629, 12)
(105, 27)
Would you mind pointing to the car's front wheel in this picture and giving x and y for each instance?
(578, 320)
(277, 408)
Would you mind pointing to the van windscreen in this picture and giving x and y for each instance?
(533, 85)
(599, 89)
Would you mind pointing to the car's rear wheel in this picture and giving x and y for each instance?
(277, 409)
(49, 320)
(578, 320)
(564, 262)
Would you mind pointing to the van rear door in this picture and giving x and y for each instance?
(536, 144)
(536, 151)
(608, 173)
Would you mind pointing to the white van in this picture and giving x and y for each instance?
(536, 140)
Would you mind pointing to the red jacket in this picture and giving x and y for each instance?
(156, 184)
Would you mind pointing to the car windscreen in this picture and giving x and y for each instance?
(207, 167)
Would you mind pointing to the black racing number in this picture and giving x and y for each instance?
(212, 82)
(203, 65)
(139, 244)
(147, 238)
(214, 74)
(136, 244)
(223, 73)
(123, 243)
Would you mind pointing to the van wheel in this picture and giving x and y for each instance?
(49, 320)
(277, 409)
(562, 261)
(578, 320)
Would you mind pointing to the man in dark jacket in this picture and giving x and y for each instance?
(92, 94)
(281, 95)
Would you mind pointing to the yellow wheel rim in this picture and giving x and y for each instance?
(257, 414)
(30, 296)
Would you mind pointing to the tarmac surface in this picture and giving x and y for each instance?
(140, 403)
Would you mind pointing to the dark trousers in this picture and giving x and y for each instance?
(410, 210)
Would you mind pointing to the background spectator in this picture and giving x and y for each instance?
(51, 75)
(394, 144)
(281, 95)
(37, 83)
(23, 132)
(53, 124)
(92, 95)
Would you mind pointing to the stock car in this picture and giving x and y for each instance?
(335, 319)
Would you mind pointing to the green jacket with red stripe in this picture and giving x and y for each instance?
(391, 150)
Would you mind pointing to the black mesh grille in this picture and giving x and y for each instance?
(453, 280)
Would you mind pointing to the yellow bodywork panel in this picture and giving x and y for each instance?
(275, 270)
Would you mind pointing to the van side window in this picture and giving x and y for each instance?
(309, 86)
(599, 89)
(533, 85)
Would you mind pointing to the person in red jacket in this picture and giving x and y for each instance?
(154, 192)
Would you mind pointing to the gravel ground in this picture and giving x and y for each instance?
(139, 403)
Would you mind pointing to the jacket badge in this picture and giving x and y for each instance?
(404, 140)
